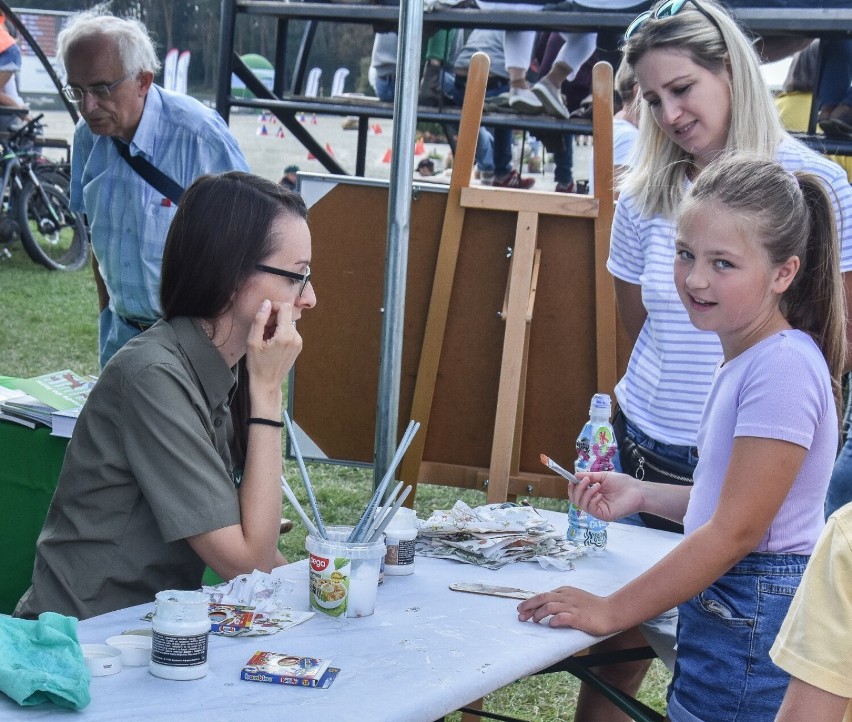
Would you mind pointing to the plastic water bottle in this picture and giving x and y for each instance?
(596, 448)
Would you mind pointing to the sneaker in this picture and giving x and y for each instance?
(513, 179)
(551, 99)
(523, 100)
(824, 117)
(839, 124)
(566, 187)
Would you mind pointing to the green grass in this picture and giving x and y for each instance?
(50, 322)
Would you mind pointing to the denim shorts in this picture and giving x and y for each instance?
(10, 59)
(723, 672)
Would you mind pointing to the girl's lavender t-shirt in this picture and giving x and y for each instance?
(780, 388)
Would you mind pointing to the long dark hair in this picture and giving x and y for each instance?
(220, 231)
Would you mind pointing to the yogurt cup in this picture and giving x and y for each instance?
(344, 576)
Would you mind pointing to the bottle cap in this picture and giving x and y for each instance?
(601, 402)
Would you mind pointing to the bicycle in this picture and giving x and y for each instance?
(34, 204)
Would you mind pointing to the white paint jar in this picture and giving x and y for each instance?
(399, 537)
(181, 626)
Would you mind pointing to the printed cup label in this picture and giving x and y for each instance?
(329, 581)
(172, 651)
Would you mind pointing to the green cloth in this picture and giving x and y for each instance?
(41, 661)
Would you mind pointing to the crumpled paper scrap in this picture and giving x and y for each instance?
(268, 596)
(484, 519)
(494, 535)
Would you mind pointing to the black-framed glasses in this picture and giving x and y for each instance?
(666, 10)
(99, 92)
(303, 278)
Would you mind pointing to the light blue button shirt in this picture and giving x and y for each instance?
(128, 217)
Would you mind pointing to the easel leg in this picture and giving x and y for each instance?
(513, 364)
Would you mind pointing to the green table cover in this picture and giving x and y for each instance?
(30, 461)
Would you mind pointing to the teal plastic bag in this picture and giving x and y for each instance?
(41, 661)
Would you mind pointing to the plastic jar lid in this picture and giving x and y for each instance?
(135, 650)
(405, 519)
(101, 659)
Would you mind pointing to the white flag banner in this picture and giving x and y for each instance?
(170, 69)
(182, 72)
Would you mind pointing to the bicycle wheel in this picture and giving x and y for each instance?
(55, 174)
(59, 240)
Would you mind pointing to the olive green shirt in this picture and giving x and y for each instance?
(149, 464)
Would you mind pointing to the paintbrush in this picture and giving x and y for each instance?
(564, 473)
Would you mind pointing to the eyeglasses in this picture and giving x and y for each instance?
(666, 10)
(303, 278)
(98, 92)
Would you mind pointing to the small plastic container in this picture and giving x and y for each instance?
(180, 629)
(135, 649)
(101, 659)
(400, 535)
(344, 577)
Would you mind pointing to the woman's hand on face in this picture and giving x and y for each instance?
(570, 607)
(608, 495)
(273, 344)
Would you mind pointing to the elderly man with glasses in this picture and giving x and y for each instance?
(132, 128)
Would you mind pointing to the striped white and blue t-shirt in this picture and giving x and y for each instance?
(672, 363)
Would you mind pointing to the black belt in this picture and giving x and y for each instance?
(139, 325)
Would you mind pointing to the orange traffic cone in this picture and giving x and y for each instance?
(329, 150)
(386, 158)
(419, 147)
(377, 129)
(311, 156)
(313, 118)
(281, 132)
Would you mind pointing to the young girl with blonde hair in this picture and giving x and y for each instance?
(756, 264)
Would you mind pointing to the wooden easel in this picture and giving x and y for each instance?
(520, 292)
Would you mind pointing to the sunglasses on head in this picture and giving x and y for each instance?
(667, 10)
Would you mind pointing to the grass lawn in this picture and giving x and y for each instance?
(50, 323)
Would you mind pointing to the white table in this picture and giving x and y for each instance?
(424, 653)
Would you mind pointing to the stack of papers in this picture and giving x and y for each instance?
(494, 535)
(53, 400)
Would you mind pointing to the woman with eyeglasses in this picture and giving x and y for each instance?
(175, 460)
(702, 96)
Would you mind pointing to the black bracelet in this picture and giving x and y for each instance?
(265, 422)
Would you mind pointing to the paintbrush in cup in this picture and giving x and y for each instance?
(309, 489)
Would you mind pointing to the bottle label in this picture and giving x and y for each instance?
(174, 651)
(584, 449)
(595, 539)
(603, 448)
